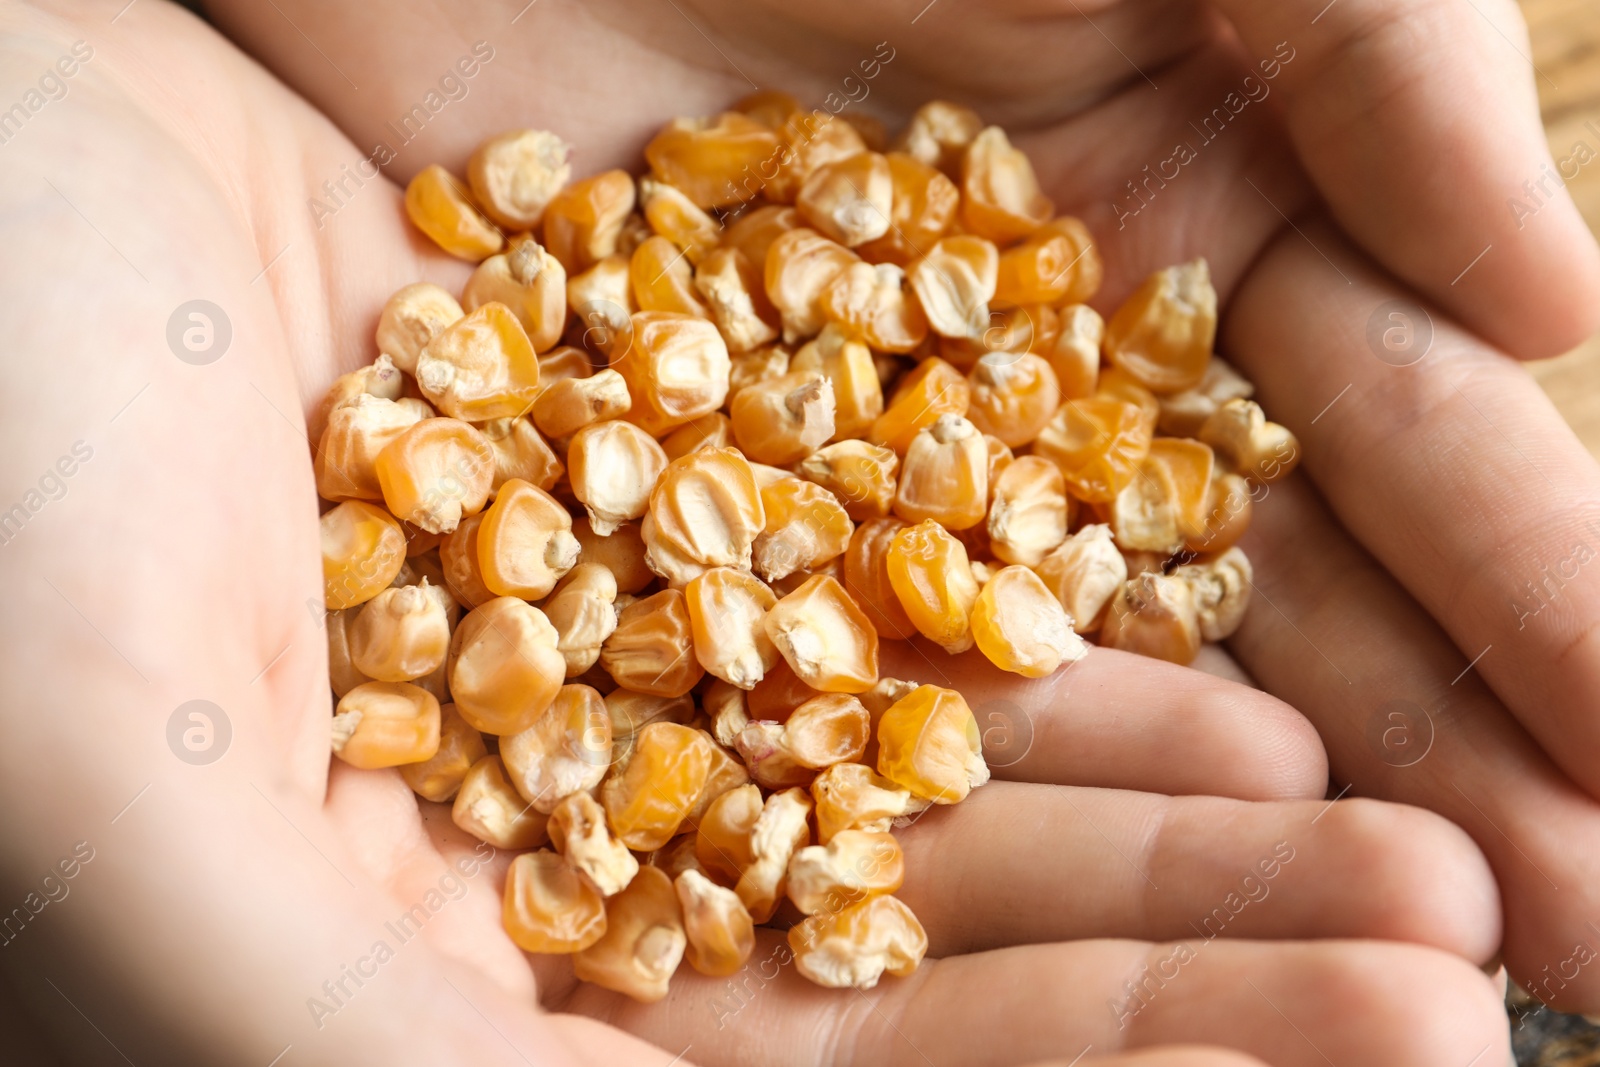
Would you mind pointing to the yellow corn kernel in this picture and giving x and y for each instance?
(753, 368)
(725, 705)
(854, 865)
(722, 837)
(779, 831)
(806, 527)
(380, 379)
(852, 796)
(1000, 197)
(720, 933)
(567, 749)
(1191, 466)
(1221, 588)
(435, 472)
(1085, 574)
(676, 369)
(725, 612)
(631, 712)
(827, 729)
(578, 831)
(655, 784)
(954, 282)
(504, 666)
(848, 365)
(356, 431)
(1182, 414)
(783, 420)
(482, 367)
(663, 279)
(705, 511)
(754, 231)
(849, 200)
(939, 133)
(824, 637)
(726, 773)
(873, 301)
(442, 207)
(565, 407)
(515, 174)
(385, 724)
(1154, 615)
(412, 318)
(439, 777)
(946, 475)
(1144, 515)
(1075, 353)
(675, 217)
(342, 673)
(613, 466)
(583, 221)
(711, 160)
(520, 453)
(924, 206)
(548, 908)
(800, 265)
(490, 810)
(622, 553)
(1098, 444)
(1058, 264)
(1162, 334)
(931, 577)
(525, 542)
(652, 648)
(861, 476)
(601, 299)
(736, 298)
(866, 578)
(933, 389)
(1014, 396)
(1254, 447)
(1021, 627)
(581, 610)
(458, 559)
(853, 948)
(643, 943)
(563, 362)
(675, 857)
(530, 283)
(808, 141)
(928, 743)
(401, 634)
(363, 549)
(1227, 513)
(1029, 512)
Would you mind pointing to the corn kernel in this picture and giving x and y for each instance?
(933, 389)
(1058, 264)
(809, 140)
(726, 773)
(601, 299)
(754, 231)
(1085, 574)
(1162, 334)
(946, 476)
(866, 578)
(954, 282)
(675, 857)
(710, 159)
(928, 743)
(753, 368)
(1190, 465)
(930, 576)
(402, 633)
(567, 749)
(806, 527)
(490, 810)
(778, 832)
(1098, 444)
(849, 200)
(777, 695)
(676, 369)
(435, 472)
(643, 943)
(852, 796)
(801, 263)
(622, 552)
(655, 784)
(924, 205)
(581, 610)
(1021, 627)
(761, 746)
(663, 279)
(720, 933)
(735, 294)
(824, 637)
(363, 549)
(874, 302)
(548, 908)
(1221, 589)
(1144, 515)
(631, 712)
(725, 612)
(675, 217)
(708, 431)
(1014, 396)
(412, 318)
(1227, 515)
(860, 476)
(583, 221)
(1000, 197)
(354, 433)
(342, 673)
(722, 839)
(481, 367)
(827, 729)
(724, 704)
(1028, 516)
(515, 174)
(442, 207)
(1182, 414)
(847, 363)
(786, 419)
(1075, 353)
(1253, 446)
(613, 467)
(1154, 615)
(853, 948)
(565, 407)
(854, 865)
(504, 666)
(939, 133)
(458, 557)
(530, 283)
(525, 542)
(705, 511)
(520, 453)
(652, 648)
(578, 831)
(386, 724)
(438, 778)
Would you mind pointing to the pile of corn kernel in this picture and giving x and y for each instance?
(611, 541)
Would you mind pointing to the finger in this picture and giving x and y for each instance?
(1127, 722)
(1332, 632)
(1456, 472)
(1289, 1004)
(1024, 864)
(1419, 123)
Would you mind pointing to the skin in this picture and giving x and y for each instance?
(220, 896)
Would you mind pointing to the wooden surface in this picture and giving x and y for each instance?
(1566, 53)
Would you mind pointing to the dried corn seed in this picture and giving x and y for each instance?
(1085, 574)
(939, 133)
(548, 908)
(565, 407)
(581, 609)
(736, 297)
(655, 784)
(1098, 444)
(1182, 414)
(725, 612)
(847, 363)
(578, 831)
(1191, 466)
(354, 433)
(1021, 627)
(439, 777)
(852, 948)
(675, 857)
(708, 431)
(945, 477)
(583, 221)
(761, 746)
(363, 549)
(800, 265)
(806, 527)
(827, 729)
(652, 648)
(854, 865)
(458, 557)
(705, 511)
(525, 542)
(711, 159)
(924, 205)
(808, 140)
(613, 466)
(410, 320)
(402, 633)
(435, 472)
(849, 200)
(644, 940)
(874, 302)
(481, 367)
(1058, 264)
(342, 673)
(720, 933)
(954, 282)
(504, 666)
(1075, 353)
(1229, 504)
(1144, 515)
(530, 283)
(520, 453)
(561, 363)
(1000, 197)
(631, 712)
(778, 832)
(723, 836)
(566, 749)
(1117, 384)
(490, 810)
(622, 552)
(726, 773)
(1014, 394)
(933, 389)
(824, 637)
(928, 743)
(1029, 512)
(861, 476)
(675, 217)
(1162, 334)
(784, 420)
(1221, 589)
(724, 704)
(385, 724)
(676, 369)
(515, 174)
(663, 279)
(753, 368)
(754, 231)
(852, 796)
(442, 207)
(929, 574)
(1254, 447)
(1154, 615)
(601, 300)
